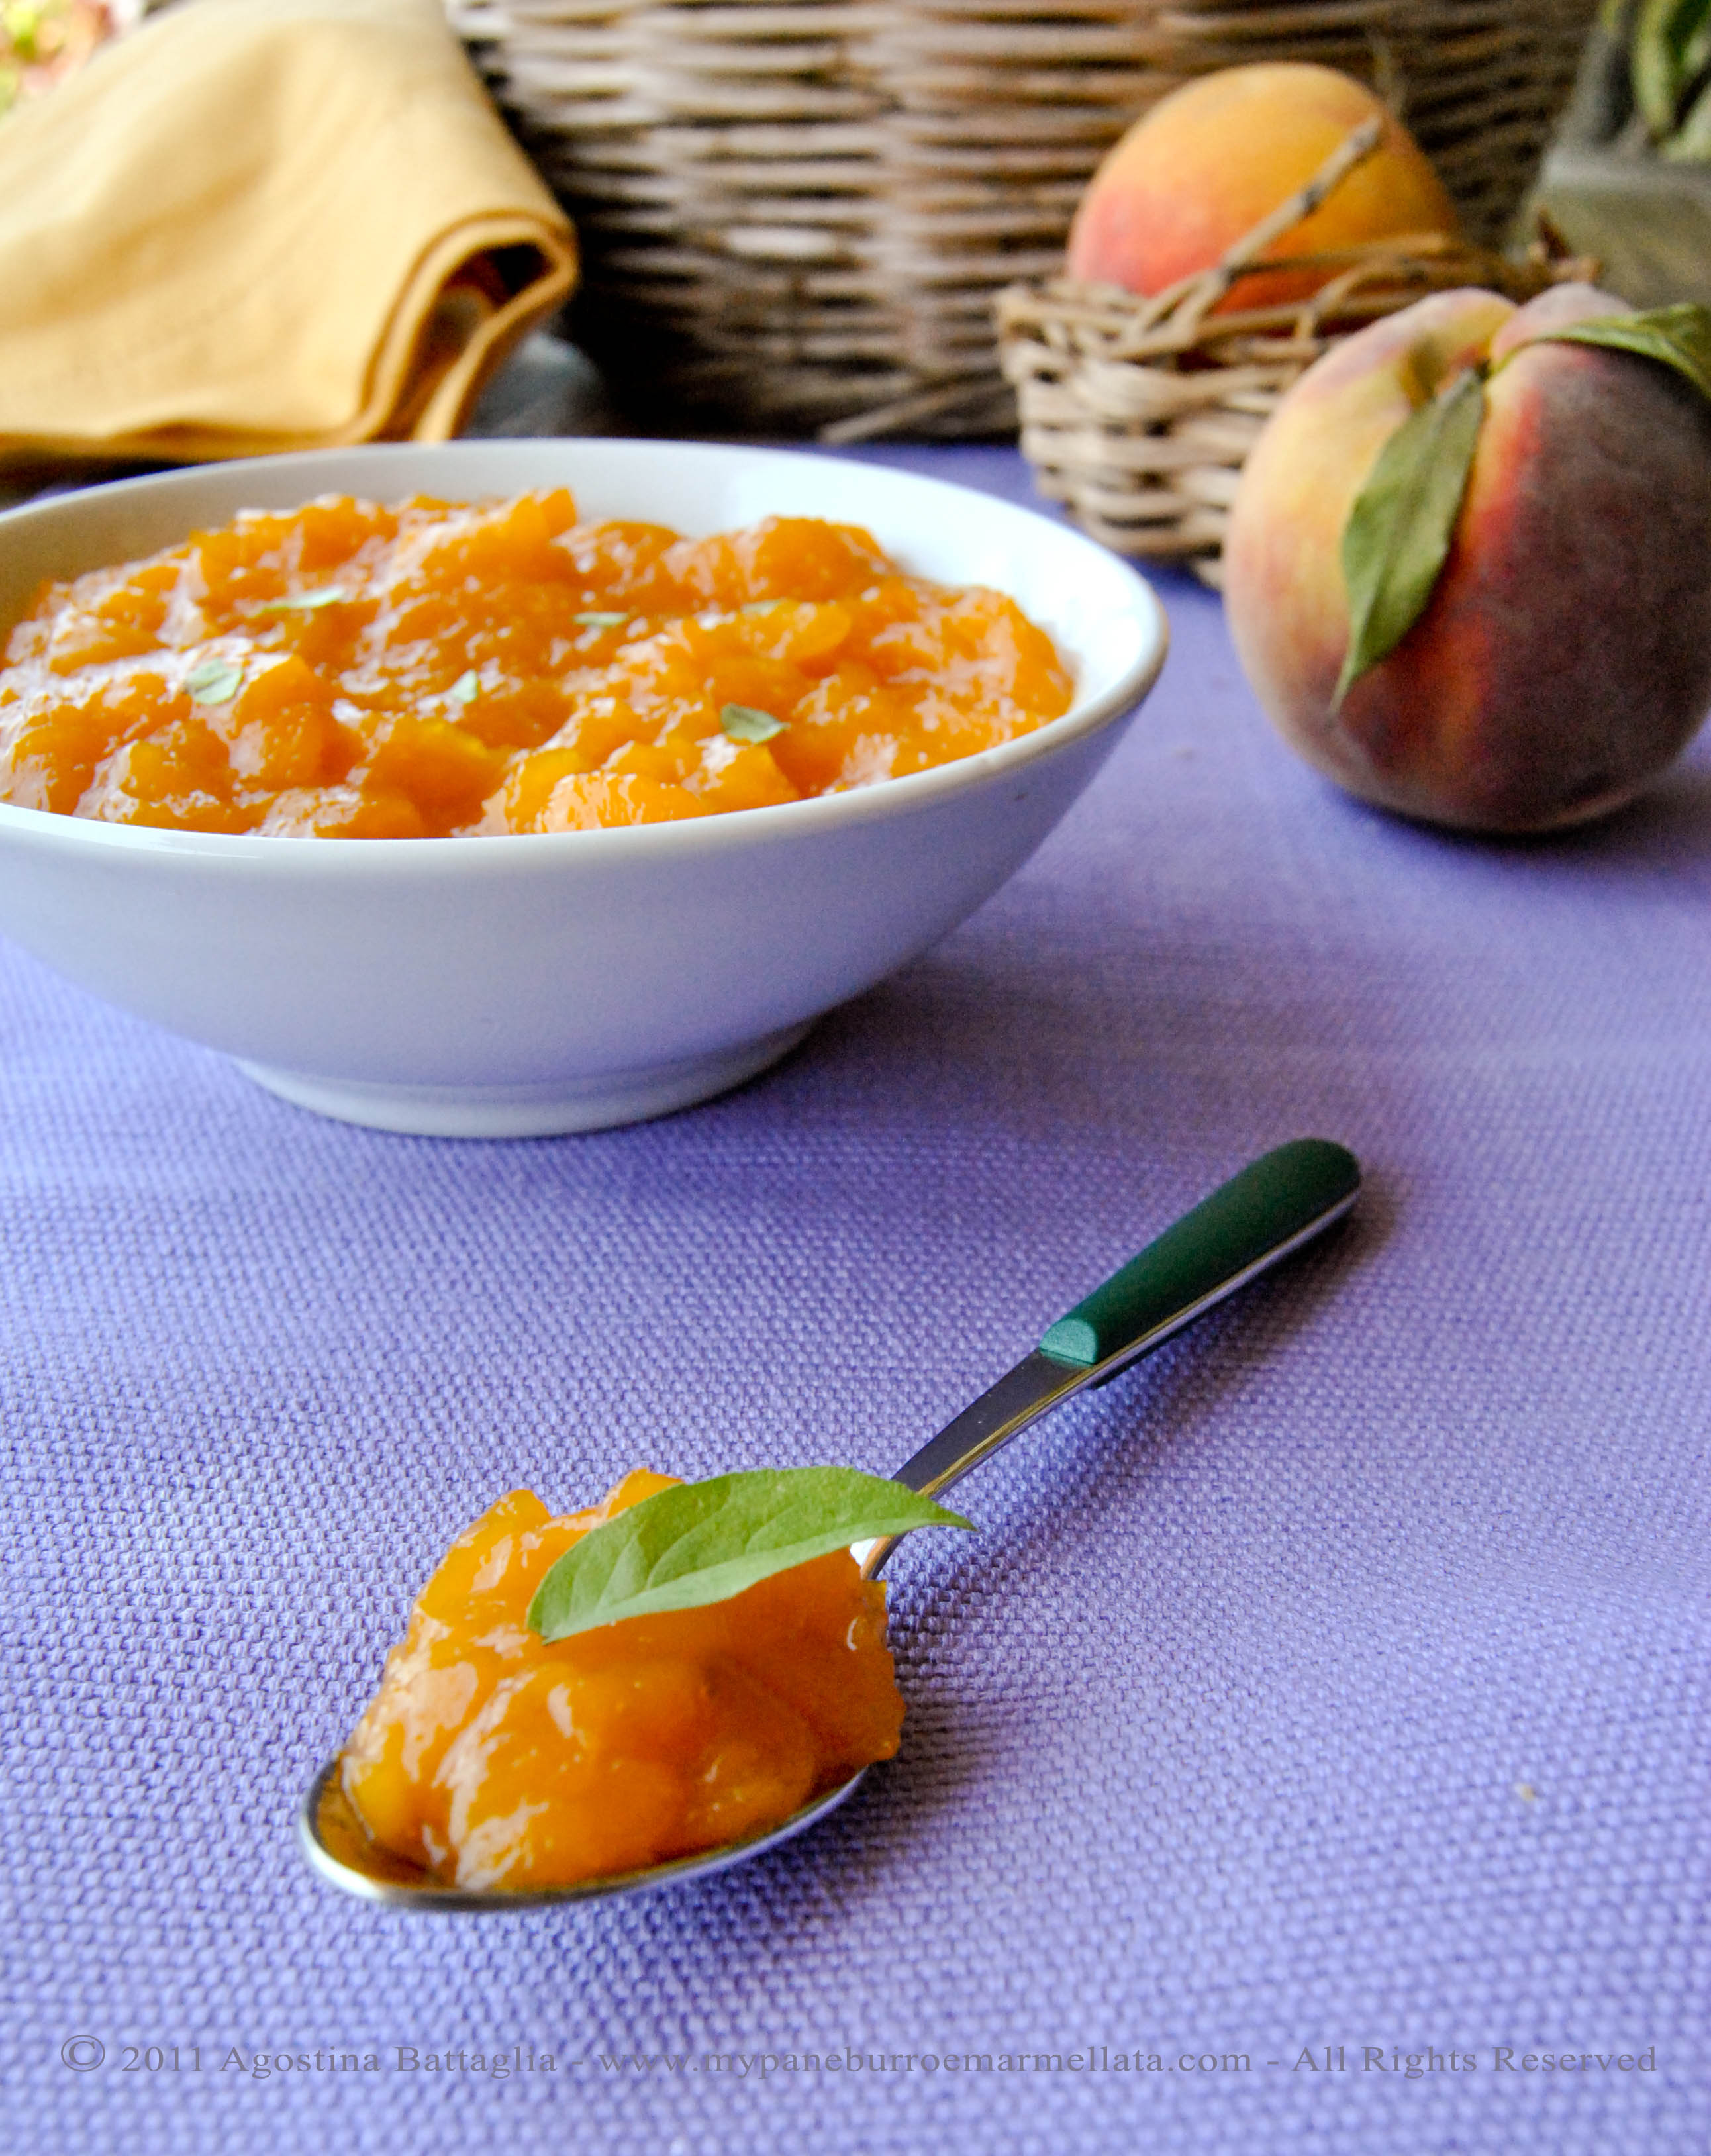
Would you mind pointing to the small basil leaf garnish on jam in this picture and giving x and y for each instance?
(214, 681)
(1399, 531)
(741, 722)
(700, 1543)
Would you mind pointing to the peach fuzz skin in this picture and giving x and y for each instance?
(1565, 655)
(1199, 170)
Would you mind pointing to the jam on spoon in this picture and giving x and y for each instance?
(497, 1767)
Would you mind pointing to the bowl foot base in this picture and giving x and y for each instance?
(548, 1110)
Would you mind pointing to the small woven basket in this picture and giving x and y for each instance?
(1139, 414)
(796, 213)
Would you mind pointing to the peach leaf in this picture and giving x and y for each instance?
(1399, 531)
(1677, 336)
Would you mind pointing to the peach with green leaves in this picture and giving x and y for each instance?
(1469, 566)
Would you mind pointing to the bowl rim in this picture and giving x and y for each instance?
(686, 836)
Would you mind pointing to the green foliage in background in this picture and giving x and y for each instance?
(1668, 44)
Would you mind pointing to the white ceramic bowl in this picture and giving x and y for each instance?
(510, 987)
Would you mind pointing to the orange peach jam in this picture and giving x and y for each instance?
(495, 1760)
(356, 671)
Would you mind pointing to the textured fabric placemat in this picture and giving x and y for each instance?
(1317, 1723)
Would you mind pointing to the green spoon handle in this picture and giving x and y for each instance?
(1246, 1224)
(1260, 1215)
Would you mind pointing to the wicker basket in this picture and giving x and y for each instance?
(1138, 414)
(797, 212)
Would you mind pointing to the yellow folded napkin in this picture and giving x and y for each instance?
(264, 224)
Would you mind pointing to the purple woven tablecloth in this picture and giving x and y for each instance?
(1315, 1733)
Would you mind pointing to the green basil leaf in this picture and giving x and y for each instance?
(465, 689)
(743, 723)
(601, 620)
(1399, 531)
(306, 602)
(699, 1542)
(1679, 336)
(214, 681)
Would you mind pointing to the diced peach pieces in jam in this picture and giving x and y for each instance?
(352, 671)
(494, 1759)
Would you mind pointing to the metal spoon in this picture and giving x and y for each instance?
(1283, 1200)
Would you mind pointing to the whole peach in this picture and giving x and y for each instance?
(1563, 656)
(1207, 163)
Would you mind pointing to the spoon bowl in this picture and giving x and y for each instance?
(336, 1844)
(1282, 1200)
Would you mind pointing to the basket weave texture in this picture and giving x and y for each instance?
(798, 212)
